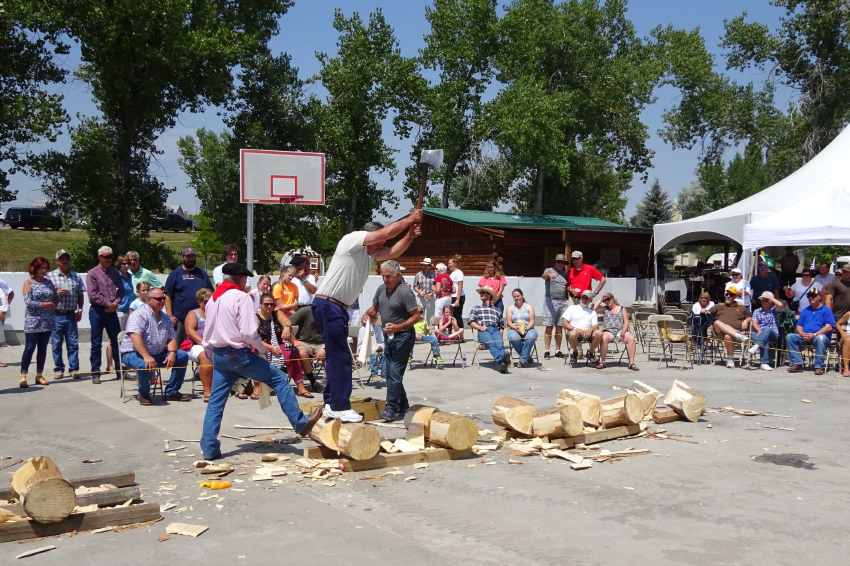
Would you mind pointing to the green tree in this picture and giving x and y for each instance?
(655, 208)
(206, 241)
(483, 184)
(146, 61)
(365, 80)
(691, 201)
(28, 112)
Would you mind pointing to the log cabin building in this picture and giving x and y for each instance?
(528, 243)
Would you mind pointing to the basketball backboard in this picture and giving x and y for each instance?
(281, 177)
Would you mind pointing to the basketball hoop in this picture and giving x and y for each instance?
(289, 199)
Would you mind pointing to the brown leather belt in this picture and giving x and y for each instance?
(334, 301)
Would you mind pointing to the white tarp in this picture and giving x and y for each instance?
(812, 222)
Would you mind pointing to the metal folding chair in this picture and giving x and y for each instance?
(155, 381)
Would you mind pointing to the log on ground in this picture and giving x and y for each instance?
(589, 405)
(663, 414)
(453, 431)
(558, 422)
(514, 414)
(43, 493)
(114, 516)
(685, 400)
(118, 479)
(648, 395)
(326, 433)
(358, 441)
(621, 410)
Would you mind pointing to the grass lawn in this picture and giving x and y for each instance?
(20, 246)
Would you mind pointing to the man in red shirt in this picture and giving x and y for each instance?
(580, 277)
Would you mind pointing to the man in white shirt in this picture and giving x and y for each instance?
(801, 288)
(824, 276)
(230, 255)
(340, 287)
(741, 285)
(230, 335)
(580, 321)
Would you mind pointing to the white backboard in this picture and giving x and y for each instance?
(281, 177)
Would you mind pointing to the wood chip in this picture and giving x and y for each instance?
(410, 478)
(421, 465)
(583, 465)
(512, 461)
(92, 461)
(186, 529)
(103, 530)
(778, 428)
(805, 400)
(167, 507)
(35, 551)
(406, 446)
(388, 447)
(270, 457)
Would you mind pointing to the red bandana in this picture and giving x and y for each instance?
(225, 287)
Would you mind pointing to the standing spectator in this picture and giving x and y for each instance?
(264, 286)
(521, 332)
(150, 342)
(139, 273)
(5, 307)
(459, 297)
(837, 293)
(557, 300)
(181, 287)
(128, 290)
(489, 322)
(764, 280)
(616, 327)
(581, 321)
(789, 262)
(443, 288)
(765, 327)
(396, 303)
(195, 322)
(803, 286)
(40, 300)
(824, 276)
(814, 327)
(495, 282)
(285, 292)
(423, 287)
(105, 290)
(582, 275)
(741, 288)
(230, 255)
(732, 319)
(70, 292)
(303, 279)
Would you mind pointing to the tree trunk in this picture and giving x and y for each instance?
(513, 414)
(359, 441)
(538, 200)
(43, 493)
(447, 186)
(453, 431)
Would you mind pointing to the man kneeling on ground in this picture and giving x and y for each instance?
(581, 321)
(488, 321)
(731, 321)
(151, 342)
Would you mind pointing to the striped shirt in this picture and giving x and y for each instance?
(156, 334)
(73, 283)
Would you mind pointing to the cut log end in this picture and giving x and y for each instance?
(359, 441)
(326, 433)
(514, 414)
(453, 431)
(44, 494)
(685, 400)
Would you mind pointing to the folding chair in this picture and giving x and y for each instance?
(582, 340)
(478, 350)
(533, 355)
(155, 380)
(673, 335)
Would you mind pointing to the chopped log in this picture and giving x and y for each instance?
(558, 422)
(419, 415)
(621, 410)
(663, 414)
(453, 431)
(589, 405)
(358, 441)
(370, 408)
(326, 433)
(113, 516)
(118, 479)
(685, 400)
(513, 414)
(43, 493)
(105, 498)
(648, 395)
(598, 436)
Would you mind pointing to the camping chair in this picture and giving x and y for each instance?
(155, 380)
(674, 338)
(478, 350)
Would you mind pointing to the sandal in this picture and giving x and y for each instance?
(40, 380)
(23, 383)
(633, 367)
(599, 365)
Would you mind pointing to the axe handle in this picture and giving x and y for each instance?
(423, 181)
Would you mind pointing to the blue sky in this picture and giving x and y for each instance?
(307, 28)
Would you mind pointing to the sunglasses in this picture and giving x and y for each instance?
(268, 304)
(156, 298)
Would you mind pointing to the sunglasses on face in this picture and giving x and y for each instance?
(156, 298)
(268, 305)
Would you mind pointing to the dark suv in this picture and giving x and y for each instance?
(33, 218)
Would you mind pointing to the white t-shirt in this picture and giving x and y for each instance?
(304, 296)
(800, 289)
(5, 287)
(580, 317)
(218, 276)
(823, 280)
(745, 292)
(136, 304)
(349, 269)
(457, 277)
(4, 301)
(697, 308)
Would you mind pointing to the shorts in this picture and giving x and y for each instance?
(553, 309)
(195, 352)
(312, 350)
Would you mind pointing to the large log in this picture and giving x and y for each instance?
(106, 498)
(326, 433)
(43, 493)
(648, 395)
(558, 422)
(453, 431)
(358, 441)
(513, 414)
(589, 405)
(118, 479)
(419, 415)
(622, 410)
(685, 400)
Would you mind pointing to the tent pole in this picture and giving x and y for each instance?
(657, 286)
(725, 256)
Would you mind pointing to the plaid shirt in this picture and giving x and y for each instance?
(424, 282)
(67, 302)
(487, 315)
(156, 334)
(766, 319)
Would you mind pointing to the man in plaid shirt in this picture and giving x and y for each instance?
(488, 321)
(70, 291)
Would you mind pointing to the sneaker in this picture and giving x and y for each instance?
(574, 358)
(730, 364)
(740, 337)
(347, 416)
(559, 354)
(75, 375)
(766, 367)
(753, 349)
(546, 355)
(391, 417)
(58, 375)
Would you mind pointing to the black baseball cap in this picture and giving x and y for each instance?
(297, 260)
(235, 270)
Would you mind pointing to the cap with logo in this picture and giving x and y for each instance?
(425, 261)
(576, 254)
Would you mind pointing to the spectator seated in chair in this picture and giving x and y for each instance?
(616, 327)
(488, 321)
(701, 317)
(275, 331)
(448, 330)
(765, 327)
(151, 342)
(731, 320)
(521, 332)
(581, 321)
(814, 328)
(423, 334)
(308, 340)
(194, 326)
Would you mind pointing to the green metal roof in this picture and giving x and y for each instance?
(484, 219)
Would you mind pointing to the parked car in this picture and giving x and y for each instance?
(172, 222)
(32, 219)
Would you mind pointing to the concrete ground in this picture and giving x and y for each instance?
(731, 493)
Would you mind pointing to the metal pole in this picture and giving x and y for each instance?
(249, 238)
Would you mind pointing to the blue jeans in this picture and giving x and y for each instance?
(35, 340)
(65, 327)
(763, 339)
(133, 360)
(491, 337)
(523, 345)
(795, 343)
(396, 354)
(332, 322)
(101, 320)
(434, 342)
(230, 364)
